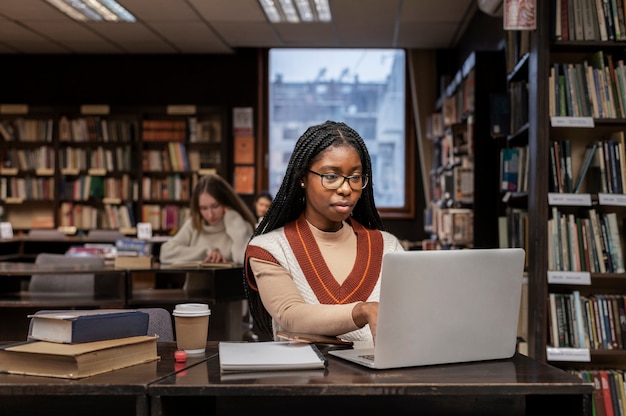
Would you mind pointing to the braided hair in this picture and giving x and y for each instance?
(289, 202)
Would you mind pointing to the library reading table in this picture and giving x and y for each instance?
(518, 386)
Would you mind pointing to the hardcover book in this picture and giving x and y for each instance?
(88, 325)
(133, 262)
(73, 361)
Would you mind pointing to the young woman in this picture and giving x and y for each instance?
(219, 228)
(262, 202)
(314, 262)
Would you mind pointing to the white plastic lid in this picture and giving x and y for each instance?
(191, 309)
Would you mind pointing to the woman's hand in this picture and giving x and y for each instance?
(214, 257)
(366, 313)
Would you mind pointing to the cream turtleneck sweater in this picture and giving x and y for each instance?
(230, 237)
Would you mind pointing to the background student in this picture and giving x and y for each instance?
(314, 263)
(261, 204)
(218, 229)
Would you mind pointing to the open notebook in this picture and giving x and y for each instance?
(445, 306)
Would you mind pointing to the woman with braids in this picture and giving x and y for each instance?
(314, 262)
(219, 228)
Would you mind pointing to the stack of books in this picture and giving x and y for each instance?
(77, 344)
(133, 253)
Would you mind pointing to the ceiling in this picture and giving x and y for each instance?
(221, 26)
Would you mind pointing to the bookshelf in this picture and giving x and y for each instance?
(566, 281)
(97, 167)
(463, 178)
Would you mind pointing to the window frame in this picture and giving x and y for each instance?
(407, 211)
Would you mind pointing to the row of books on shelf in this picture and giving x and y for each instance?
(588, 20)
(452, 225)
(172, 159)
(593, 88)
(96, 129)
(602, 167)
(107, 217)
(164, 130)
(514, 162)
(31, 159)
(78, 344)
(172, 187)
(518, 105)
(101, 129)
(164, 217)
(204, 131)
(513, 229)
(593, 322)
(27, 130)
(609, 393)
(460, 102)
(27, 188)
(109, 160)
(591, 244)
(86, 187)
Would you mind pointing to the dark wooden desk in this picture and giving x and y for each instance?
(519, 386)
(222, 290)
(119, 393)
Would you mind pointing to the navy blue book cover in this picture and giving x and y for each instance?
(88, 326)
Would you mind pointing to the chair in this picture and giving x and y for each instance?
(159, 322)
(70, 283)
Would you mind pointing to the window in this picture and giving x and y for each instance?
(365, 88)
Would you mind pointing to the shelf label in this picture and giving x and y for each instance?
(207, 171)
(569, 278)
(584, 122)
(112, 201)
(44, 172)
(13, 109)
(183, 110)
(568, 354)
(612, 199)
(6, 231)
(68, 229)
(144, 230)
(579, 200)
(8, 171)
(70, 171)
(128, 231)
(98, 109)
(97, 172)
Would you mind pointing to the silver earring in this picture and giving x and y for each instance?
(301, 184)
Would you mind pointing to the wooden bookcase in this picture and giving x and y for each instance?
(463, 178)
(544, 201)
(97, 167)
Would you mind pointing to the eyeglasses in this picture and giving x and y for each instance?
(335, 181)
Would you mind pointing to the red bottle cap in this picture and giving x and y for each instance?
(180, 356)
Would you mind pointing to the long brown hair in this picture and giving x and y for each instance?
(223, 193)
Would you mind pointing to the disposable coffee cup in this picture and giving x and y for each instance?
(192, 327)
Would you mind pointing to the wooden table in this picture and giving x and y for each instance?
(519, 386)
(118, 393)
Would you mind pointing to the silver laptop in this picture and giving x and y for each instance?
(445, 306)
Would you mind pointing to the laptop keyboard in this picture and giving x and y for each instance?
(369, 357)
